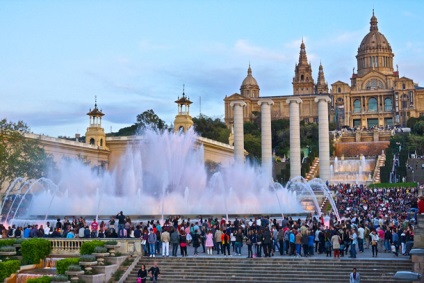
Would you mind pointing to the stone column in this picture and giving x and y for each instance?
(266, 138)
(295, 166)
(324, 137)
(238, 130)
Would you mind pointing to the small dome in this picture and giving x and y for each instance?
(249, 80)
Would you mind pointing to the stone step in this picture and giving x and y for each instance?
(204, 269)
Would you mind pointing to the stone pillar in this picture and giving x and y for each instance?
(266, 138)
(324, 137)
(295, 166)
(238, 130)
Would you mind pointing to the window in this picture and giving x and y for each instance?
(101, 142)
(374, 84)
(388, 121)
(388, 105)
(357, 106)
(356, 123)
(302, 77)
(92, 141)
(372, 123)
(339, 90)
(372, 105)
(403, 86)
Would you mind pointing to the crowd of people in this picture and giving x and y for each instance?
(378, 219)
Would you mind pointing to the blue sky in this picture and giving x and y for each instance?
(56, 56)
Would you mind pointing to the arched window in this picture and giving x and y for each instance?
(388, 104)
(372, 105)
(302, 77)
(92, 141)
(339, 90)
(101, 142)
(357, 106)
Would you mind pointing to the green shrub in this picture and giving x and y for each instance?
(88, 247)
(34, 250)
(7, 249)
(43, 279)
(60, 278)
(18, 241)
(8, 267)
(74, 267)
(63, 264)
(394, 185)
(6, 242)
(111, 242)
(87, 258)
(100, 249)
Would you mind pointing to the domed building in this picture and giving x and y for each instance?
(376, 97)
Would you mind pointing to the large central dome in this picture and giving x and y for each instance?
(375, 52)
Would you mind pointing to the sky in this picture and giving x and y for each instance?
(57, 56)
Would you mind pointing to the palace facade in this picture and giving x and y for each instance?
(376, 96)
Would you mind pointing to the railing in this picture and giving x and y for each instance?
(64, 246)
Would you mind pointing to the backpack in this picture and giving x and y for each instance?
(287, 235)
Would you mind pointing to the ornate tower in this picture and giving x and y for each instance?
(303, 83)
(183, 119)
(249, 87)
(95, 134)
(322, 86)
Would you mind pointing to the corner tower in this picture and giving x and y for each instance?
(303, 83)
(183, 120)
(249, 87)
(322, 86)
(95, 134)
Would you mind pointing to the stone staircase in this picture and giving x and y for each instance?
(313, 170)
(231, 269)
(381, 161)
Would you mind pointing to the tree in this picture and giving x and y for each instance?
(21, 156)
(149, 119)
(211, 128)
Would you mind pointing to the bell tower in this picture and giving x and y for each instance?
(95, 134)
(183, 119)
(303, 83)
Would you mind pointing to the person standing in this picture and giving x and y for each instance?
(94, 228)
(209, 242)
(374, 242)
(121, 224)
(355, 277)
(361, 236)
(165, 238)
(152, 242)
(335, 241)
(175, 241)
(395, 241)
(155, 272)
(354, 239)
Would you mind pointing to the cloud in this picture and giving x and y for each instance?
(147, 45)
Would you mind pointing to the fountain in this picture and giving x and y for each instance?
(162, 174)
(352, 170)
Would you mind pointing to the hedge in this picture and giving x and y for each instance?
(62, 265)
(43, 279)
(8, 267)
(87, 248)
(34, 250)
(7, 242)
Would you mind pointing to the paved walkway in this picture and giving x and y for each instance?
(367, 254)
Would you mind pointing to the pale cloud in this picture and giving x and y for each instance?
(244, 47)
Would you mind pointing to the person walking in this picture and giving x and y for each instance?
(355, 277)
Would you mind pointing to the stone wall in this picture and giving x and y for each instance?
(352, 149)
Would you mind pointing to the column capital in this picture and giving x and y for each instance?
(294, 99)
(324, 98)
(265, 101)
(238, 103)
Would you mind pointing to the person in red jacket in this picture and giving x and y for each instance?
(421, 205)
